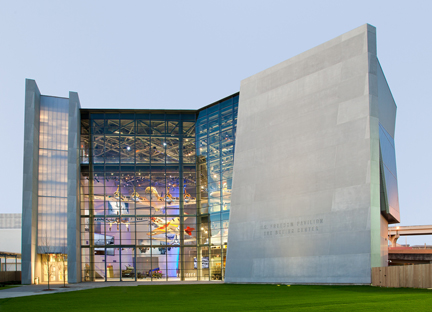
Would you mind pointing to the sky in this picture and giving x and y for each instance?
(187, 54)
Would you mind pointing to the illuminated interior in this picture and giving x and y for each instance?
(54, 268)
(141, 215)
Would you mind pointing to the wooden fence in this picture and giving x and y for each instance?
(416, 276)
(10, 276)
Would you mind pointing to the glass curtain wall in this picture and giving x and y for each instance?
(215, 139)
(389, 187)
(138, 197)
(52, 186)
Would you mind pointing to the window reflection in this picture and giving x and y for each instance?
(215, 150)
(52, 180)
(138, 200)
(155, 199)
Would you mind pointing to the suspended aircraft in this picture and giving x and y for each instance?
(117, 194)
(164, 226)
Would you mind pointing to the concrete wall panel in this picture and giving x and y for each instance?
(73, 208)
(301, 200)
(30, 180)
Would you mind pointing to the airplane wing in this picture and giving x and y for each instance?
(158, 221)
(172, 227)
(159, 230)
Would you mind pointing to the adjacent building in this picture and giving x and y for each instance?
(156, 195)
(10, 242)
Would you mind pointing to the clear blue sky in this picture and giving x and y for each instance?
(187, 54)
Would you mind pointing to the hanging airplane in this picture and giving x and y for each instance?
(169, 198)
(117, 194)
(187, 197)
(151, 198)
(152, 194)
(118, 222)
(136, 197)
(164, 226)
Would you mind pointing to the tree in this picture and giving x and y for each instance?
(46, 248)
(63, 265)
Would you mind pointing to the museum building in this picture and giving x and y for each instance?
(154, 195)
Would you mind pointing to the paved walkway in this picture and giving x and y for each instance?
(30, 290)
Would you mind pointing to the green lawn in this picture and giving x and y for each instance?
(224, 297)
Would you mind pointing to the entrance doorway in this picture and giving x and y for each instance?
(54, 268)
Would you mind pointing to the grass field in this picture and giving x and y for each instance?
(228, 298)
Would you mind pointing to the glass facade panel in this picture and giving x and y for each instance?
(389, 174)
(128, 264)
(85, 139)
(127, 127)
(155, 194)
(52, 177)
(157, 150)
(127, 149)
(142, 145)
(172, 150)
(215, 151)
(157, 126)
(143, 126)
(138, 198)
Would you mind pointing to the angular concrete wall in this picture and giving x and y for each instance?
(30, 180)
(374, 161)
(73, 210)
(305, 201)
(30, 260)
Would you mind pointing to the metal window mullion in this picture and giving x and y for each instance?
(181, 195)
(91, 212)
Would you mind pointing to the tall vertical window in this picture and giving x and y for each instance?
(215, 142)
(138, 197)
(52, 189)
